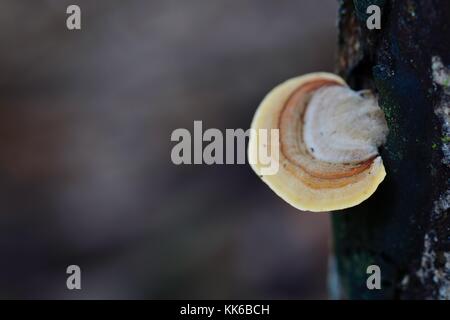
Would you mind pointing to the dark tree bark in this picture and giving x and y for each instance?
(405, 227)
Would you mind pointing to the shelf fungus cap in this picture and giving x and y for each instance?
(322, 138)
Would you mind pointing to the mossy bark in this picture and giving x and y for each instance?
(404, 228)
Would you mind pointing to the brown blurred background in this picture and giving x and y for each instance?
(85, 171)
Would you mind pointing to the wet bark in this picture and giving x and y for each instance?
(405, 227)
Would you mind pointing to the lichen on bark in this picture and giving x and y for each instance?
(405, 227)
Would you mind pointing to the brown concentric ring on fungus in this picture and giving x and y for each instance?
(304, 179)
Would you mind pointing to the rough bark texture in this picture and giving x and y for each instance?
(405, 227)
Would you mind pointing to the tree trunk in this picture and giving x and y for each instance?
(404, 228)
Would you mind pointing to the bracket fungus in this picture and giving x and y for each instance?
(328, 142)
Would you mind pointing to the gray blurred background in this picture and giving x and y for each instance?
(85, 171)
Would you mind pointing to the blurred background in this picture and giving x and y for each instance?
(86, 176)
